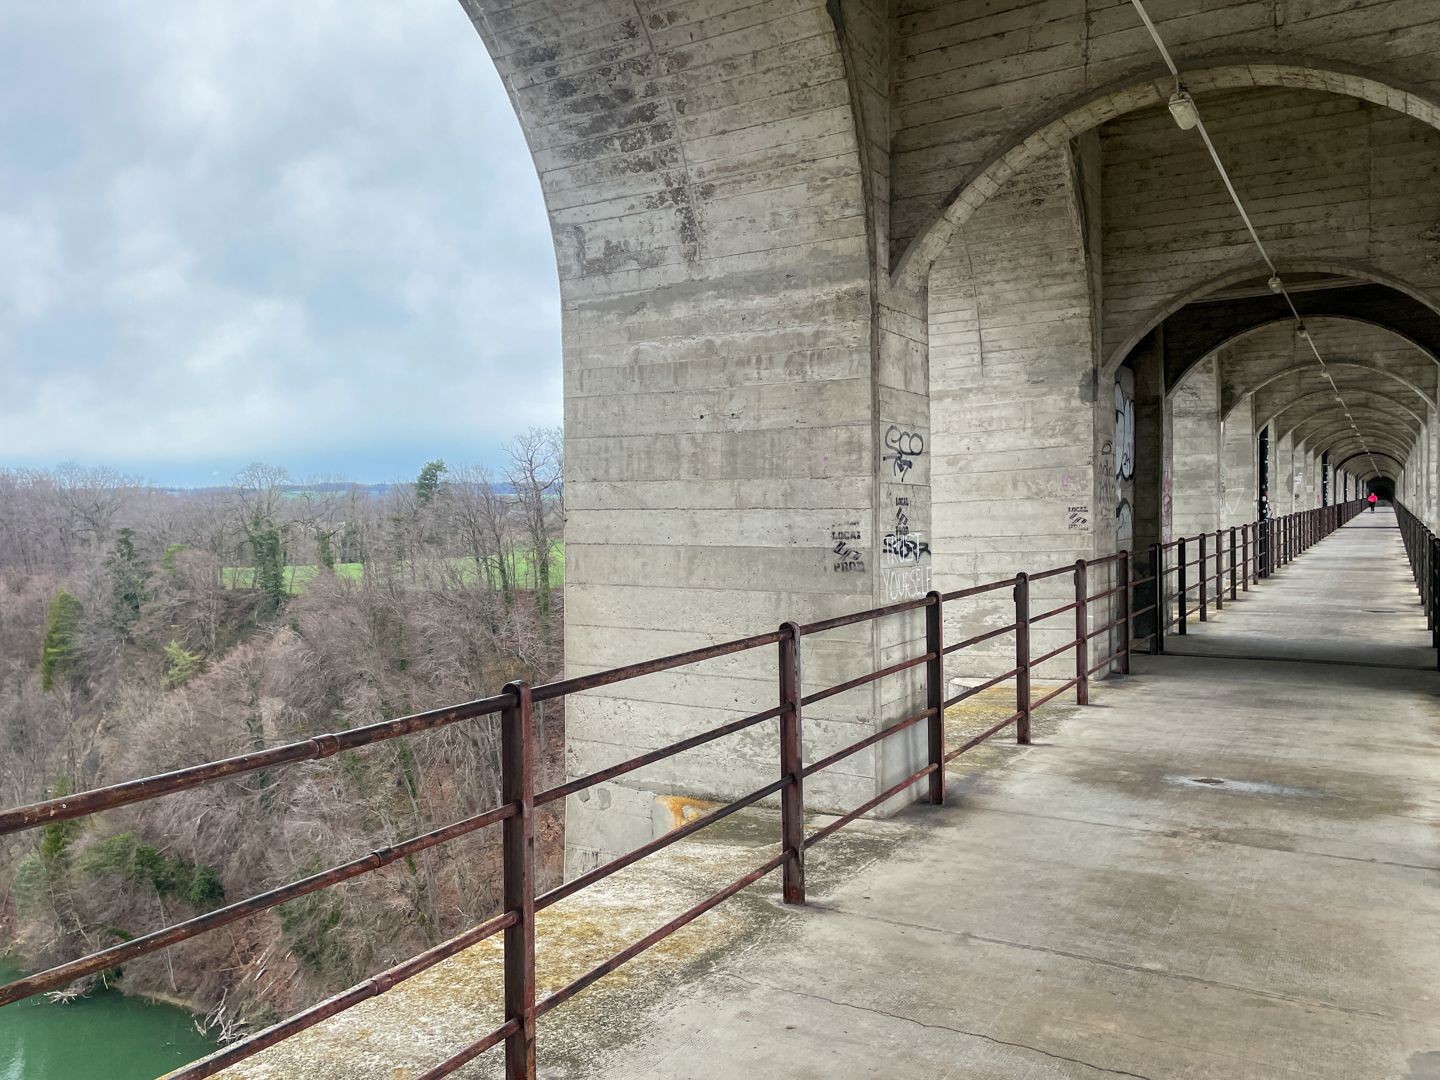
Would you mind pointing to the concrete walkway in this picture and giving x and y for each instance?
(1227, 867)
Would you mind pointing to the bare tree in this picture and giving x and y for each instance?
(536, 472)
(481, 519)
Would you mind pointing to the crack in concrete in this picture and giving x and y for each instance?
(1117, 964)
(1210, 839)
(934, 1027)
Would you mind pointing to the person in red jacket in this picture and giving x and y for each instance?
(1372, 500)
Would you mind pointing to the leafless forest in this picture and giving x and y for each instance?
(144, 630)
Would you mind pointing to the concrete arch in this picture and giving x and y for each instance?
(1378, 324)
(1307, 368)
(1153, 88)
(1337, 441)
(1338, 426)
(1326, 400)
(1254, 268)
(1304, 429)
(1342, 441)
(1362, 453)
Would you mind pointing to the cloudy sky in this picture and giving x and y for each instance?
(306, 233)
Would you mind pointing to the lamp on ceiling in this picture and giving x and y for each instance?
(1182, 108)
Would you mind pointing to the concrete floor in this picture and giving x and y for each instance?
(1093, 910)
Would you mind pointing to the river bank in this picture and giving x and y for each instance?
(106, 1034)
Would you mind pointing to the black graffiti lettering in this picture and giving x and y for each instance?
(905, 548)
(902, 448)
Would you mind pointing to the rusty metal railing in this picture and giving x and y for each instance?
(1263, 547)
(1247, 553)
(1422, 548)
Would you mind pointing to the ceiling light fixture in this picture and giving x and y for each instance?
(1182, 108)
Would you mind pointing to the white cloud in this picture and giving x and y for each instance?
(236, 231)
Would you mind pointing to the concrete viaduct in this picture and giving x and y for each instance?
(914, 351)
(868, 297)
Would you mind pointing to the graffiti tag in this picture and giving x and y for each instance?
(901, 449)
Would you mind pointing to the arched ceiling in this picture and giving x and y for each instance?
(1199, 328)
(1360, 355)
(1386, 384)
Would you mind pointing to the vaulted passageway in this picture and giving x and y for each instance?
(1226, 869)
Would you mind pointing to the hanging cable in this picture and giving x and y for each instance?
(1187, 115)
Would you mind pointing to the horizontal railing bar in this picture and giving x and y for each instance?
(869, 804)
(320, 746)
(604, 870)
(976, 740)
(976, 590)
(183, 931)
(565, 993)
(1101, 629)
(471, 1052)
(570, 787)
(1136, 582)
(371, 987)
(1106, 558)
(1143, 611)
(977, 639)
(1072, 643)
(869, 740)
(1104, 595)
(861, 680)
(1104, 663)
(1056, 572)
(1054, 693)
(986, 685)
(547, 691)
(822, 625)
(1053, 611)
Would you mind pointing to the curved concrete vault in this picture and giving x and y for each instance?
(863, 297)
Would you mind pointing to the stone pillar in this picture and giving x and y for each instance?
(1196, 450)
(1016, 419)
(1238, 484)
(1282, 476)
(746, 424)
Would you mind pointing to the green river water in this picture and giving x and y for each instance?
(104, 1037)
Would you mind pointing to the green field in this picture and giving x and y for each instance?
(297, 577)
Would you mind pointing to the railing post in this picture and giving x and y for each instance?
(792, 802)
(1157, 569)
(1122, 573)
(1232, 563)
(1022, 658)
(1181, 585)
(935, 693)
(1246, 568)
(1202, 576)
(1082, 628)
(1219, 571)
(1433, 592)
(517, 785)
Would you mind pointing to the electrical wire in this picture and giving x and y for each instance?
(1276, 282)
